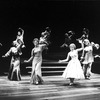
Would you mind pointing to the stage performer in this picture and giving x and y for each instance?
(68, 38)
(14, 71)
(45, 36)
(74, 68)
(19, 39)
(88, 57)
(36, 58)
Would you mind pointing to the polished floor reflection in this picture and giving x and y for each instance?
(53, 88)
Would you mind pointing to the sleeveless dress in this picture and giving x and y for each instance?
(36, 76)
(73, 69)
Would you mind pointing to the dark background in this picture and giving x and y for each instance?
(34, 15)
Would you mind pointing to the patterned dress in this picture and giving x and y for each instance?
(73, 69)
(14, 71)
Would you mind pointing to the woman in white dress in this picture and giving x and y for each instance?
(73, 69)
(36, 57)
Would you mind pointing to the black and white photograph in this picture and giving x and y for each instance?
(49, 50)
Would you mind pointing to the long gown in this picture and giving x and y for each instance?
(36, 76)
(14, 71)
(73, 69)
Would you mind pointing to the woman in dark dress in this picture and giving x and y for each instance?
(14, 71)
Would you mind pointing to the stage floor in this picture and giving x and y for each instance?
(53, 88)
